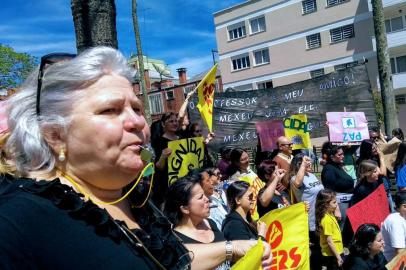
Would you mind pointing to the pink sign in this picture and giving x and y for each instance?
(3, 117)
(269, 132)
(347, 127)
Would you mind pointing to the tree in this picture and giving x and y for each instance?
(14, 67)
(95, 23)
(143, 86)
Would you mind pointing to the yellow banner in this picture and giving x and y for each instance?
(187, 154)
(205, 91)
(288, 235)
(256, 185)
(252, 260)
(296, 129)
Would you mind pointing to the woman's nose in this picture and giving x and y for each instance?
(133, 121)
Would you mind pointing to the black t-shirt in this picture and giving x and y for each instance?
(275, 203)
(46, 225)
(353, 262)
(218, 235)
(236, 228)
(335, 178)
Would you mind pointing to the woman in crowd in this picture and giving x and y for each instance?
(268, 197)
(187, 208)
(224, 162)
(369, 173)
(366, 250)
(398, 133)
(305, 186)
(238, 224)
(79, 126)
(195, 130)
(369, 150)
(170, 125)
(326, 225)
(400, 167)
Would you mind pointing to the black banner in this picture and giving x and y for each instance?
(235, 113)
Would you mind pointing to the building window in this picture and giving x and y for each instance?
(394, 24)
(309, 6)
(155, 103)
(398, 64)
(169, 95)
(241, 62)
(261, 56)
(313, 41)
(317, 73)
(346, 65)
(342, 33)
(265, 85)
(257, 25)
(331, 3)
(400, 99)
(236, 31)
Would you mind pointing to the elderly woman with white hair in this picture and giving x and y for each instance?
(78, 142)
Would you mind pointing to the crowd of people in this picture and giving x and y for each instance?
(81, 187)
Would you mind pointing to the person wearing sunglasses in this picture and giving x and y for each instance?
(283, 160)
(238, 224)
(79, 143)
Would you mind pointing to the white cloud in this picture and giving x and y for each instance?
(43, 48)
(193, 65)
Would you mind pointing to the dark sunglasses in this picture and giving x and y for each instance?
(251, 197)
(47, 60)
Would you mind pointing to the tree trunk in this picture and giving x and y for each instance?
(143, 86)
(95, 23)
(385, 80)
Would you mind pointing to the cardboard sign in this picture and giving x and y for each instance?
(297, 130)
(347, 127)
(187, 154)
(269, 132)
(288, 235)
(398, 263)
(372, 209)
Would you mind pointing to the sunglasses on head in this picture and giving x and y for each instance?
(48, 60)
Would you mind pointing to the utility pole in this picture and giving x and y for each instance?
(140, 56)
(385, 80)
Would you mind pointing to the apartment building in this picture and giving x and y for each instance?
(268, 43)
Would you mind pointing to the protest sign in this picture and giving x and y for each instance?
(252, 259)
(269, 132)
(256, 184)
(187, 154)
(398, 263)
(372, 209)
(347, 127)
(235, 113)
(288, 235)
(296, 129)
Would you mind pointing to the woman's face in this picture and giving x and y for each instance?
(207, 184)
(198, 204)
(247, 200)
(171, 124)
(215, 178)
(374, 150)
(374, 176)
(338, 157)
(244, 161)
(377, 245)
(197, 131)
(104, 138)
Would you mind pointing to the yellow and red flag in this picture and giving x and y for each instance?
(252, 260)
(205, 91)
(288, 235)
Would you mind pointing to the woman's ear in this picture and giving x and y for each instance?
(238, 201)
(55, 137)
(185, 210)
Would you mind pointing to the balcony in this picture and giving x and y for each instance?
(396, 39)
(399, 81)
(389, 3)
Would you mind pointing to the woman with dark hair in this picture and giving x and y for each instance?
(269, 198)
(187, 208)
(238, 224)
(239, 170)
(398, 133)
(366, 250)
(195, 130)
(369, 150)
(369, 181)
(400, 167)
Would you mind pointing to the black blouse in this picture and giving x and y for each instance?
(236, 228)
(218, 235)
(47, 225)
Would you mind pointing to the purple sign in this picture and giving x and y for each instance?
(269, 132)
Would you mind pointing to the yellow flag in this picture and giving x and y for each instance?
(288, 235)
(252, 260)
(297, 130)
(187, 154)
(205, 91)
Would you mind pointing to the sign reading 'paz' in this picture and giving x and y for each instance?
(187, 154)
(236, 113)
(347, 127)
(288, 235)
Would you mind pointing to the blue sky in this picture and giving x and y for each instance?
(180, 32)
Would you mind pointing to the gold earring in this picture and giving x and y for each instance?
(62, 156)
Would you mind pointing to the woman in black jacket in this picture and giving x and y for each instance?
(238, 224)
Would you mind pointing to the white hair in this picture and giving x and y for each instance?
(63, 83)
